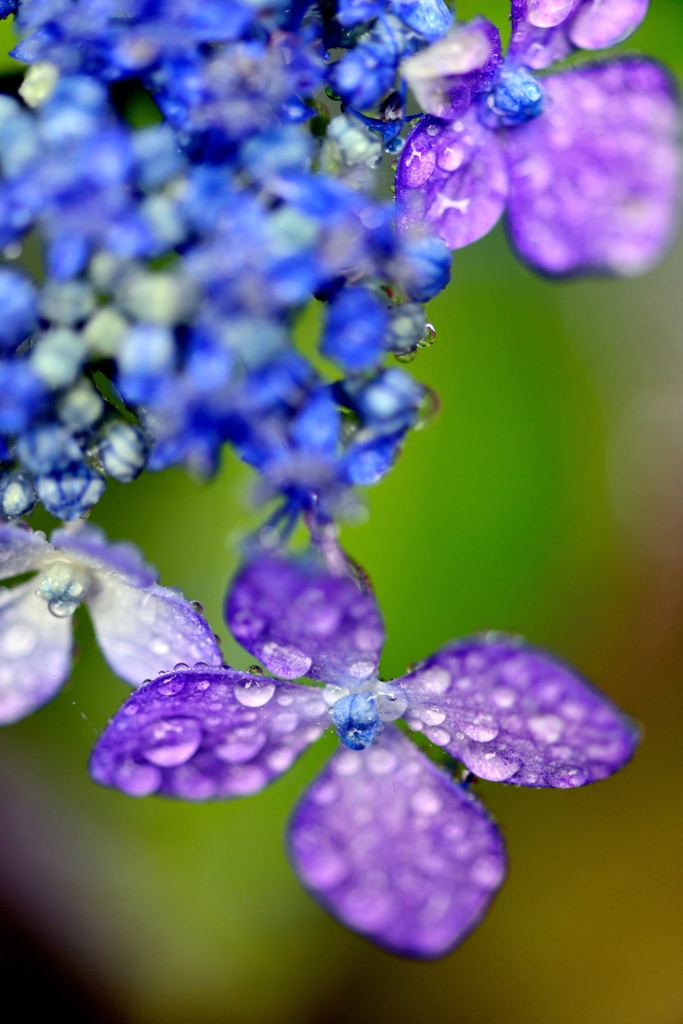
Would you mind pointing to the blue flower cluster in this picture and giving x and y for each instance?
(178, 257)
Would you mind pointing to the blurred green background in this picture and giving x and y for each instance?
(546, 499)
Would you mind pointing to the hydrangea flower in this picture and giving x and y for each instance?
(140, 626)
(385, 840)
(585, 160)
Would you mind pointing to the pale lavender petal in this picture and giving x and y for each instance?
(300, 620)
(90, 546)
(548, 13)
(512, 713)
(145, 631)
(595, 181)
(207, 734)
(395, 850)
(451, 178)
(21, 550)
(598, 24)
(446, 75)
(35, 652)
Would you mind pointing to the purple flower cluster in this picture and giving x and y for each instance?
(386, 841)
(178, 257)
(586, 159)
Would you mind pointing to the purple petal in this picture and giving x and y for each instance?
(210, 733)
(89, 545)
(452, 178)
(145, 631)
(594, 181)
(21, 549)
(35, 652)
(598, 24)
(396, 851)
(298, 619)
(538, 37)
(512, 713)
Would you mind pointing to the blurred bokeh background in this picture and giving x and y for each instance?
(546, 499)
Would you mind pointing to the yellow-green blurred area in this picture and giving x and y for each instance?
(545, 499)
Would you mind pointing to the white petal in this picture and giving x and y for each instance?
(20, 550)
(35, 652)
(145, 631)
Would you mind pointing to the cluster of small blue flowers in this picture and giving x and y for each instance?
(177, 257)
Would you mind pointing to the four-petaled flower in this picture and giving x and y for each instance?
(140, 626)
(586, 159)
(384, 839)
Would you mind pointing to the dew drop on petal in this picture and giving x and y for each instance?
(483, 729)
(435, 680)
(280, 759)
(426, 802)
(381, 761)
(172, 741)
(245, 780)
(241, 745)
(254, 695)
(138, 779)
(170, 687)
(284, 660)
(439, 736)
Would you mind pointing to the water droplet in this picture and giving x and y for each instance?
(284, 660)
(545, 728)
(281, 759)
(331, 694)
(430, 716)
(200, 664)
(198, 607)
(347, 763)
(438, 736)
(483, 729)
(244, 780)
(426, 802)
(180, 667)
(487, 872)
(361, 669)
(405, 357)
(390, 705)
(255, 670)
(203, 684)
(492, 766)
(218, 639)
(137, 779)
(241, 745)
(170, 687)
(428, 338)
(435, 680)
(172, 741)
(62, 609)
(253, 694)
(382, 762)
(428, 410)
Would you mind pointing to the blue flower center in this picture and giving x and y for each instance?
(63, 586)
(356, 720)
(516, 96)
